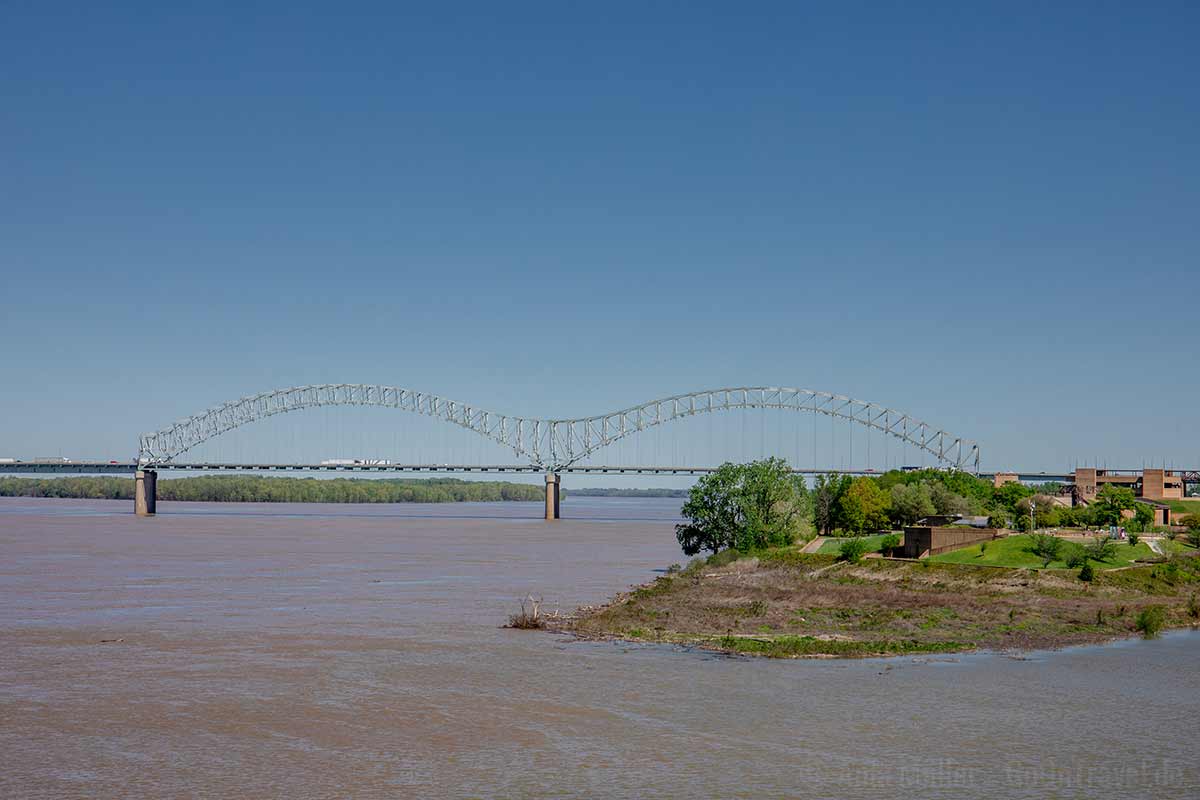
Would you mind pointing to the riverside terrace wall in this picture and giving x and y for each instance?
(923, 541)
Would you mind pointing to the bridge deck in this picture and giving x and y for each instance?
(110, 468)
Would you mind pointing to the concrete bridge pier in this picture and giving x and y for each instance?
(552, 496)
(145, 492)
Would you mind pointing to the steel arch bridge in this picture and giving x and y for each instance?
(555, 444)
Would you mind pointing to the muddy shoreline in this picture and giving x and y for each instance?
(793, 605)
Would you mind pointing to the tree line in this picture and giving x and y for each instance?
(264, 489)
(762, 504)
(621, 492)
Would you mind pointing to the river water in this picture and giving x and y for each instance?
(301, 651)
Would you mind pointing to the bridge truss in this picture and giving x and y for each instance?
(553, 445)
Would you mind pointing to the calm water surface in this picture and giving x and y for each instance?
(307, 651)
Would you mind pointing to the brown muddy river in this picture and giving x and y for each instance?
(290, 651)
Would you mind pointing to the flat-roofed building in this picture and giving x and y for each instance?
(1152, 484)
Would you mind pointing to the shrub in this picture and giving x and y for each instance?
(724, 557)
(1087, 573)
(1074, 556)
(889, 543)
(1150, 621)
(1193, 536)
(1101, 548)
(1045, 546)
(1134, 539)
(529, 617)
(1193, 607)
(852, 550)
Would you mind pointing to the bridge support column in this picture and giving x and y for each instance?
(552, 496)
(145, 493)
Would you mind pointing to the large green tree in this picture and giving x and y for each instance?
(1143, 516)
(910, 502)
(1110, 501)
(947, 501)
(826, 501)
(744, 506)
(864, 507)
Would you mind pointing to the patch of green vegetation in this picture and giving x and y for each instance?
(873, 544)
(788, 557)
(1153, 579)
(852, 550)
(1018, 551)
(755, 608)
(937, 617)
(724, 558)
(1176, 546)
(1150, 621)
(1191, 506)
(797, 646)
(274, 489)
(660, 586)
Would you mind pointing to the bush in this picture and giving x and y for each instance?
(1193, 536)
(852, 550)
(1193, 607)
(1102, 548)
(723, 558)
(1046, 546)
(1150, 621)
(1074, 556)
(1134, 539)
(889, 543)
(529, 617)
(1087, 573)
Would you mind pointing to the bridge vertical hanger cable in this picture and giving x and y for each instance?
(870, 462)
(796, 428)
(813, 465)
(833, 448)
(886, 445)
(762, 433)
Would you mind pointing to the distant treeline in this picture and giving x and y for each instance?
(259, 489)
(629, 492)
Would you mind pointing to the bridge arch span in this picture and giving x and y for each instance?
(553, 444)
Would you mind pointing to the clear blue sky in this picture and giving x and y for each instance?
(987, 217)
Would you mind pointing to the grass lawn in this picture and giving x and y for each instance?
(1179, 545)
(1190, 506)
(832, 546)
(1016, 551)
